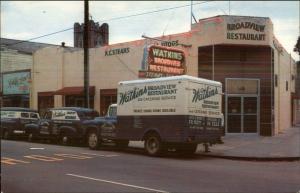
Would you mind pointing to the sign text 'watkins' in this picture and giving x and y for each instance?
(132, 94)
(167, 54)
(203, 93)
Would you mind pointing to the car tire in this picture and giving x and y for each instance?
(64, 139)
(93, 140)
(153, 145)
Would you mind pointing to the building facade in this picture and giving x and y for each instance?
(15, 77)
(239, 51)
(98, 35)
(296, 98)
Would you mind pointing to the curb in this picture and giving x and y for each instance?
(290, 159)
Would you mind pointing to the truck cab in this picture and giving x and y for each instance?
(65, 124)
(15, 120)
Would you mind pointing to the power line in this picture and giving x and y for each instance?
(156, 11)
(41, 36)
(116, 18)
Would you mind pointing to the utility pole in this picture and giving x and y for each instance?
(86, 55)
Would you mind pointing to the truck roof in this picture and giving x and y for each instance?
(182, 77)
(18, 109)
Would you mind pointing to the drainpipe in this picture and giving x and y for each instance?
(279, 97)
(213, 62)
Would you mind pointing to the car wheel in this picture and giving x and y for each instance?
(153, 145)
(93, 140)
(64, 139)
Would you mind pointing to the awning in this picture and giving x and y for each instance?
(74, 90)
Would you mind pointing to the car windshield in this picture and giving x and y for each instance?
(34, 115)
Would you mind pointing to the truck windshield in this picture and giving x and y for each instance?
(112, 111)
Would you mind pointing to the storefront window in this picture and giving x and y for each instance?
(77, 101)
(16, 101)
(107, 97)
(44, 103)
(240, 86)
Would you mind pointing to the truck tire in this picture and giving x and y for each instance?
(93, 140)
(153, 144)
(187, 149)
(122, 144)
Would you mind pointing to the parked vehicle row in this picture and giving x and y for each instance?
(64, 125)
(177, 112)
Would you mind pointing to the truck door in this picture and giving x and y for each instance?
(46, 124)
(108, 129)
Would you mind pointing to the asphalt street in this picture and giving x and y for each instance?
(37, 167)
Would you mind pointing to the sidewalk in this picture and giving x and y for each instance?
(282, 147)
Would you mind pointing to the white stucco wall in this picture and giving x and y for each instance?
(12, 60)
(284, 68)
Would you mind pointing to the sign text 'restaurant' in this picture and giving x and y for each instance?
(259, 30)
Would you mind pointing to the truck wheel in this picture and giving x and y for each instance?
(187, 149)
(93, 140)
(153, 145)
(121, 144)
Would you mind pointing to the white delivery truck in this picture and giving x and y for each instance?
(177, 112)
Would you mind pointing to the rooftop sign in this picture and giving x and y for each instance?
(162, 61)
(246, 29)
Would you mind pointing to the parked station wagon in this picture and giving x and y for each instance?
(65, 124)
(14, 121)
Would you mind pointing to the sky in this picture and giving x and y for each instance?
(24, 20)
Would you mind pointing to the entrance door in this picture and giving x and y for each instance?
(242, 114)
(234, 115)
(250, 118)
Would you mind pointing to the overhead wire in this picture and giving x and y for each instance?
(150, 12)
(22, 41)
(116, 18)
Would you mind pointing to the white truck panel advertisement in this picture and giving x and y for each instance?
(155, 98)
(170, 97)
(205, 100)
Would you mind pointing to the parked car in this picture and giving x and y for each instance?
(65, 124)
(14, 121)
